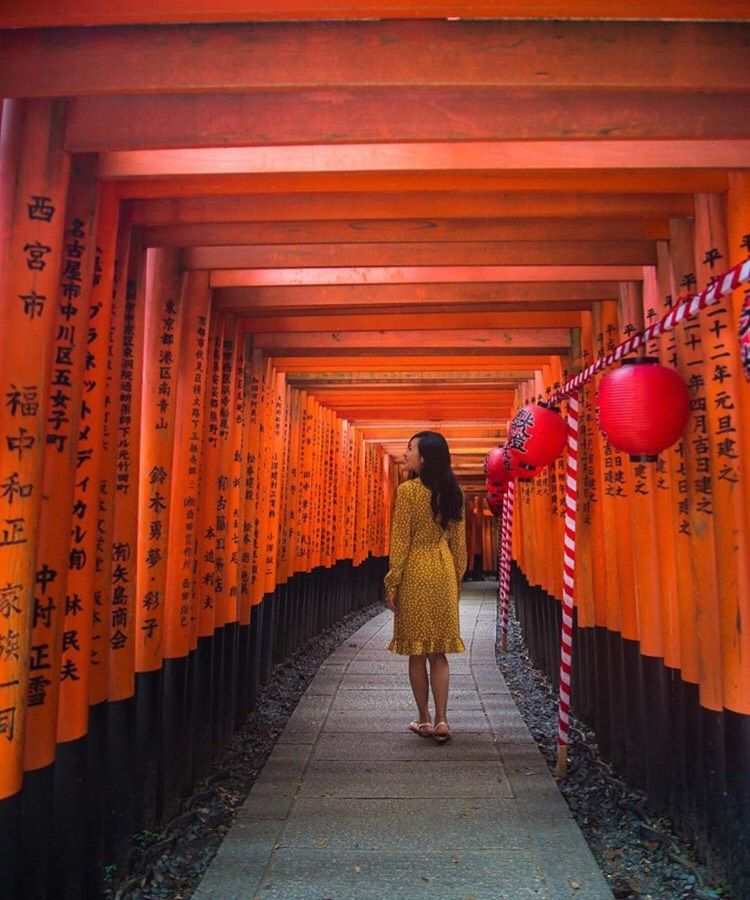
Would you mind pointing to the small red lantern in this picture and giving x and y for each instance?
(495, 470)
(496, 491)
(495, 503)
(538, 433)
(517, 466)
(642, 408)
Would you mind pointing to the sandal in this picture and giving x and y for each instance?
(444, 734)
(423, 729)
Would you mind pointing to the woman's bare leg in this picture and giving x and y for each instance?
(440, 680)
(420, 686)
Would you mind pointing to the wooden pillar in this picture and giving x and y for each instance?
(34, 190)
(64, 391)
(162, 336)
(125, 500)
(191, 374)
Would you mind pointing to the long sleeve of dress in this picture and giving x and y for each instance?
(457, 544)
(400, 541)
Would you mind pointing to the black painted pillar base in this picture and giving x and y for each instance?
(12, 857)
(36, 834)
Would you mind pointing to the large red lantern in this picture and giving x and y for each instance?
(517, 466)
(538, 433)
(642, 408)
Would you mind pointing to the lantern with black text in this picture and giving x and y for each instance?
(517, 466)
(642, 408)
(538, 434)
(495, 470)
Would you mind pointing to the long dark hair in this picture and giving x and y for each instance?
(447, 499)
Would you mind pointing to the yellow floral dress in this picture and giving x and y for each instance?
(427, 567)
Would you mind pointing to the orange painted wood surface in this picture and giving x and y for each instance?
(113, 280)
(445, 157)
(205, 579)
(301, 207)
(230, 444)
(402, 113)
(411, 320)
(34, 205)
(162, 336)
(515, 340)
(375, 275)
(725, 389)
(51, 14)
(738, 215)
(84, 653)
(232, 57)
(482, 253)
(64, 392)
(191, 370)
(325, 299)
(401, 231)
(123, 620)
(408, 363)
(695, 519)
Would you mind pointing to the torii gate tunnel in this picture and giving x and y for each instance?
(242, 260)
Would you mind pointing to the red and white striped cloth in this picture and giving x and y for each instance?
(686, 308)
(569, 569)
(504, 552)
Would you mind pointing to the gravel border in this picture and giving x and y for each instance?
(635, 847)
(169, 865)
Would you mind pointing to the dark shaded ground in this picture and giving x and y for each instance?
(636, 849)
(638, 852)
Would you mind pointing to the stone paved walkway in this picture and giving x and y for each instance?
(352, 806)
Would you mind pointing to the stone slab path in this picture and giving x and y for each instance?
(352, 806)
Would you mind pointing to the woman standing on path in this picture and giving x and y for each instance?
(422, 587)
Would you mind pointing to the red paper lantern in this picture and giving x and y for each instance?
(495, 471)
(504, 464)
(642, 408)
(495, 503)
(538, 433)
(517, 467)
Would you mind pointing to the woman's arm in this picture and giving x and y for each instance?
(400, 544)
(457, 544)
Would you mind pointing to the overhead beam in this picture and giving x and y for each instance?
(365, 396)
(241, 56)
(490, 182)
(493, 340)
(376, 275)
(355, 415)
(143, 122)
(411, 320)
(441, 156)
(327, 297)
(462, 430)
(119, 12)
(418, 205)
(485, 253)
(289, 362)
(309, 380)
(402, 231)
(265, 312)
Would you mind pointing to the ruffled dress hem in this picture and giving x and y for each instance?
(422, 648)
